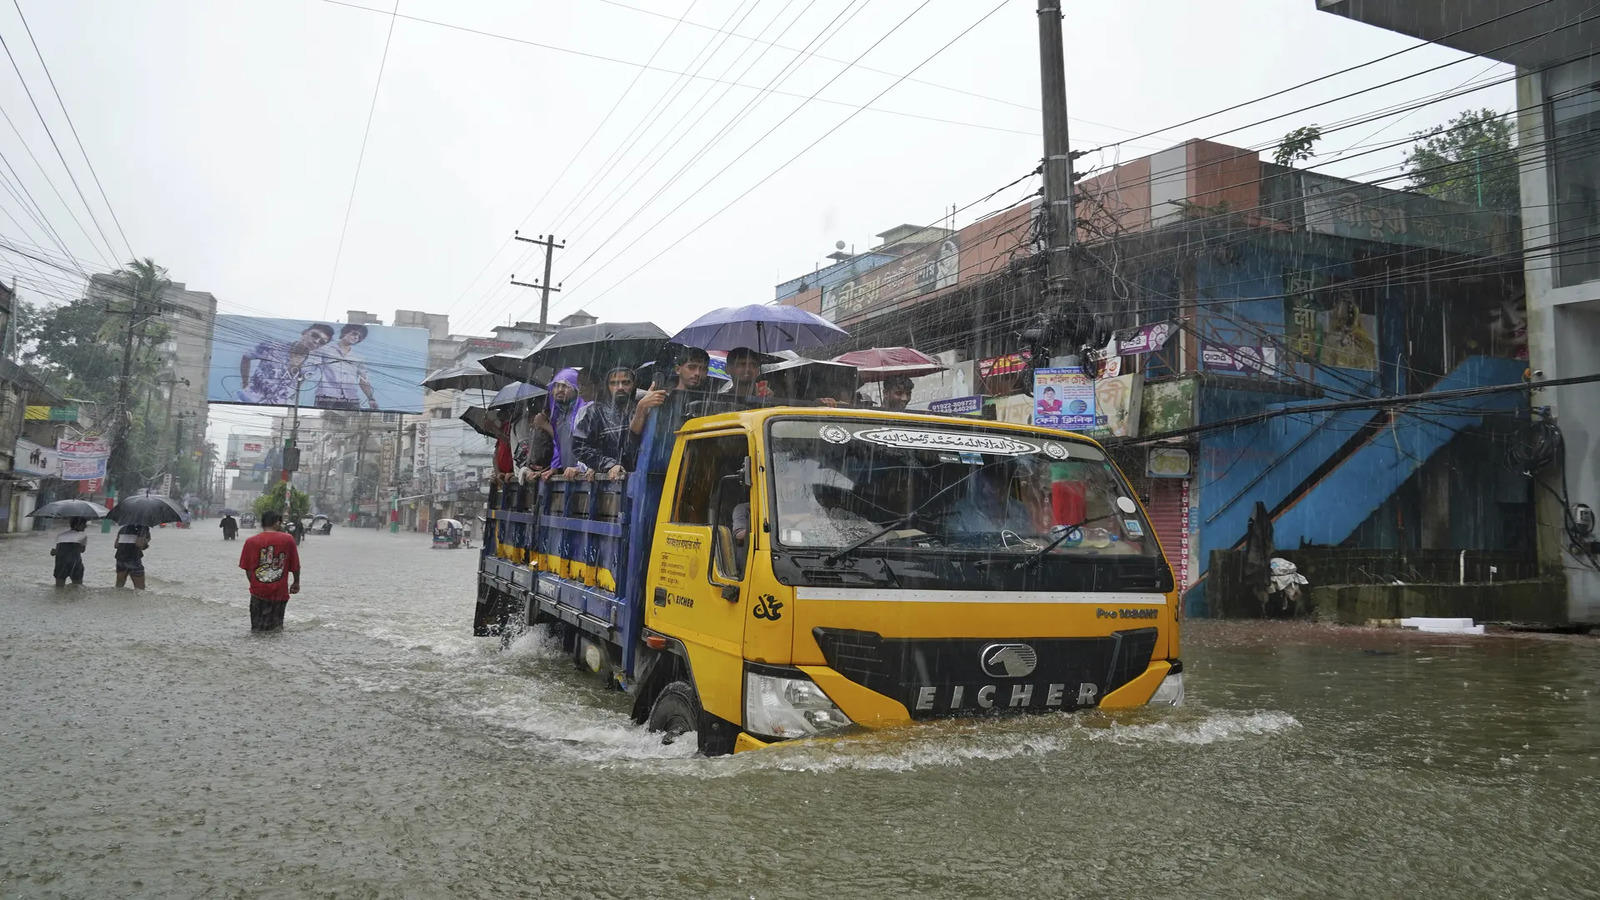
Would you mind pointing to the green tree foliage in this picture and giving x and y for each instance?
(1297, 146)
(272, 499)
(1471, 160)
(76, 349)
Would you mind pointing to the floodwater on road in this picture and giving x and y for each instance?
(151, 746)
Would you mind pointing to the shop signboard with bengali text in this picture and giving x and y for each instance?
(83, 460)
(922, 271)
(1005, 364)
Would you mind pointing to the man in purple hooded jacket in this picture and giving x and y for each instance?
(562, 409)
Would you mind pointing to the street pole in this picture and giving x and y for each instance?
(118, 462)
(550, 247)
(290, 454)
(361, 455)
(394, 477)
(1060, 221)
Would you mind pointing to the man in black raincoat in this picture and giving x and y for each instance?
(602, 439)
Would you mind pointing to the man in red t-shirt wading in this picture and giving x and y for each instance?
(266, 559)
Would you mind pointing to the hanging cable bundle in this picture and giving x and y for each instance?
(1535, 446)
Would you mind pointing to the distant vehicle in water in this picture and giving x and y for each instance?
(319, 524)
(248, 520)
(794, 572)
(448, 534)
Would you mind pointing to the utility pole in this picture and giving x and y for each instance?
(118, 463)
(1060, 220)
(550, 247)
(291, 451)
(355, 485)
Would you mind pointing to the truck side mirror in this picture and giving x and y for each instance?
(746, 478)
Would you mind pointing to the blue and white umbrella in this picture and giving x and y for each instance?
(763, 327)
(516, 392)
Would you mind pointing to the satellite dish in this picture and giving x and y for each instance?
(838, 245)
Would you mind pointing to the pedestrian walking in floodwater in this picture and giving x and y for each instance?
(68, 552)
(230, 527)
(131, 543)
(267, 558)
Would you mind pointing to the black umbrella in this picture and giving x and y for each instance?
(147, 509)
(228, 511)
(598, 347)
(810, 379)
(469, 377)
(512, 364)
(482, 421)
(70, 509)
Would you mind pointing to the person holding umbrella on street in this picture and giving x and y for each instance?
(70, 544)
(136, 514)
(130, 546)
(68, 551)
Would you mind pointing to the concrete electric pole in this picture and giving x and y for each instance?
(1060, 220)
(548, 242)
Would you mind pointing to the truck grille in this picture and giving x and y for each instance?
(963, 676)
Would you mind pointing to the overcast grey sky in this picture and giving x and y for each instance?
(226, 134)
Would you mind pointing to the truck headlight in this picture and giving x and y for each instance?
(1170, 693)
(788, 707)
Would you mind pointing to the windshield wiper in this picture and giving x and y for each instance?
(841, 553)
(1033, 558)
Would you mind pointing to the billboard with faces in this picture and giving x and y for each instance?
(259, 361)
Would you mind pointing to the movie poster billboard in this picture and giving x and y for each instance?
(320, 365)
(1063, 398)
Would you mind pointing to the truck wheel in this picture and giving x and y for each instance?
(677, 711)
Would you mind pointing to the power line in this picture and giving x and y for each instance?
(668, 97)
(355, 180)
(1320, 78)
(656, 154)
(57, 147)
(782, 75)
(63, 104)
(564, 169)
(53, 189)
(802, 152)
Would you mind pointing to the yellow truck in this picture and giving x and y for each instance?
(789, 572)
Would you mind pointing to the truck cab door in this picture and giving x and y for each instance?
(697, 566)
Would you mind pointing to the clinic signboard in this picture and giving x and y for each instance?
(1064, 398)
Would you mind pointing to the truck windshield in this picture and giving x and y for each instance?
(840, 482)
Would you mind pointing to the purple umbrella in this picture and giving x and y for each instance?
(763, 327)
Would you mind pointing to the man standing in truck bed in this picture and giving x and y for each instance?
(602, 439)
(267, 558)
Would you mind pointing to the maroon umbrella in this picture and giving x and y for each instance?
(878, 363)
